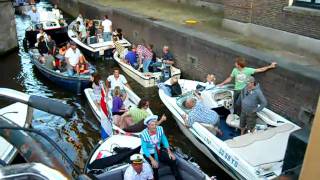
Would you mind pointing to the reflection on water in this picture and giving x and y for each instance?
(78, 135)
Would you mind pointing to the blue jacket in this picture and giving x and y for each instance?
(147, 145)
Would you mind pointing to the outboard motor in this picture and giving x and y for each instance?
(296, 148)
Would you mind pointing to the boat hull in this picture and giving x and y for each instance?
(71, 83)
(144, 79)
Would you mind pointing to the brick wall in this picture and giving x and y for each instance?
(291, 90)
(272, 14)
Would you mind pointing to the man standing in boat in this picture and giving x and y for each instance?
(34, 15)
(252, 101)
(107, 28)
(72, 58)
(240, 74)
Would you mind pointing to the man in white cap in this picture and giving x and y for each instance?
(138, 170)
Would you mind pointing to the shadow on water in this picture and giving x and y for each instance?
(78, 135)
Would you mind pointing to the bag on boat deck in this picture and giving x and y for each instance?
(176, 90)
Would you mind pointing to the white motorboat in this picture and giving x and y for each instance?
(19, 114)
(131, 101)
(257, 155)
(97, 48)
(56, 28)
(148, 79)
(107, 163)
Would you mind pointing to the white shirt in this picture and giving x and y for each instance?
(83, 31)
(145, 174)
(106, 25)
(80, 19)
(56, 13)
(44, 34)
(73, 56)
(120, 81)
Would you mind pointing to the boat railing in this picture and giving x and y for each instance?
(42, 103)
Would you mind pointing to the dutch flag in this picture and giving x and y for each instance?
(106, 122)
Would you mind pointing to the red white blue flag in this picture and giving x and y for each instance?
(105, 119)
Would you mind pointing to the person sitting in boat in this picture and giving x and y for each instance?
(42, 33)
(42, 46)
(122, 51)
(135, 115)
(252, 101)
(56, 12)
(80, 19)
(97, 86)
(63, 49)
(82, 33)
(145, 56)
(132, 120)
(200, 113)
(47, 61)
(131, 57)
(34, 15)
(117, 34)
(91, 29)
(82, 66)
(210, 83)
(117, 79)
(151, 140)
(51, 45)
(138, 169)
(167, 56)
(173, 89)
(72, 57)
(117, 102)
(107, 29)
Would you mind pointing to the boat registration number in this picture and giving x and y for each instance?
(226, 156)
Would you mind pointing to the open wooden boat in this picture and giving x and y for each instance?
(97, 48)
(149, 79)
(257, 155)
(76, 83)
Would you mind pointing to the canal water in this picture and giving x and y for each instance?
(78, 135)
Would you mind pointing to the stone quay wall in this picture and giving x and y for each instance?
(277, 14)
(291, 90)
(8, 36)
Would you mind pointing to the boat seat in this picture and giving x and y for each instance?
(250, 138)
(264, 148)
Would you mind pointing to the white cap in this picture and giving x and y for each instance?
(150, 119)
(136, 158)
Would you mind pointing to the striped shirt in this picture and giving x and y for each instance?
(202, 114)
(119, 48)
(144, 53)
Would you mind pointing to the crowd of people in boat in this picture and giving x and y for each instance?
(92, 31)
(248, 97)
(67, 58)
